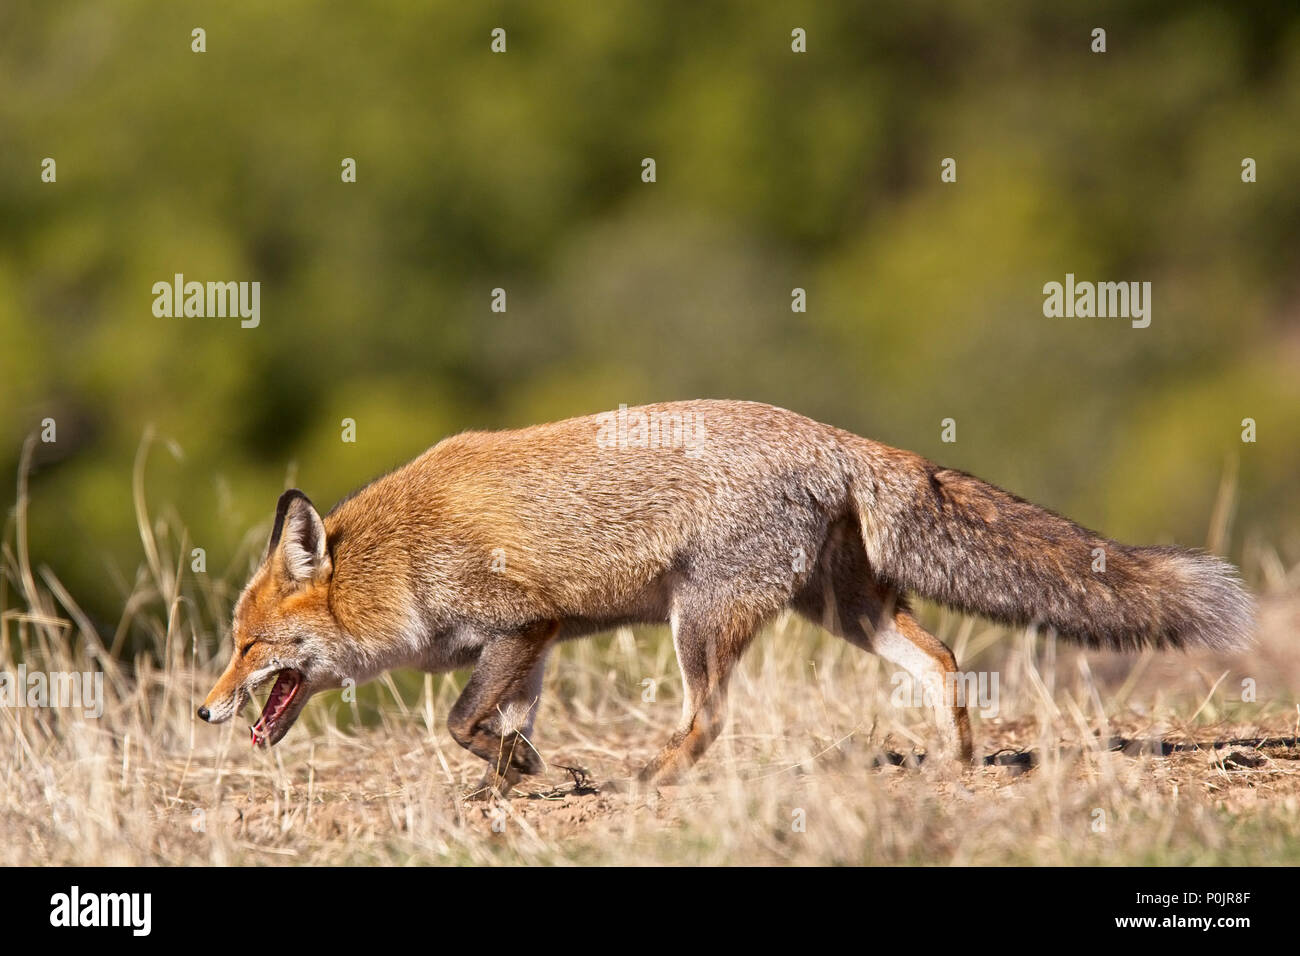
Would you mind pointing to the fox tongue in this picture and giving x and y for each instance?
(285, 682)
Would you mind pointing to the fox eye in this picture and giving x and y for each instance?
(245, 649)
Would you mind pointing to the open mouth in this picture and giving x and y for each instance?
(281, 709)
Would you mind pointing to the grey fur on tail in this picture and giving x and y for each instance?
(955, 539)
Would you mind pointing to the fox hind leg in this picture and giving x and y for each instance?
(708, 645)
(931, 664)
(894, 634)
(846, 599)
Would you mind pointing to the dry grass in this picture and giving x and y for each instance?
(1100, 758)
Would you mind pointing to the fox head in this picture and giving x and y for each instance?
(283, 627)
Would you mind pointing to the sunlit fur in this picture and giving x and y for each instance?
(492, 545)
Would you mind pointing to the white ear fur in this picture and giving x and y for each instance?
(303, 542)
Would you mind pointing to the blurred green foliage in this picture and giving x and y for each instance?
(522, 171)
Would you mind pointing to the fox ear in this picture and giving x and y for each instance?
(299, 536)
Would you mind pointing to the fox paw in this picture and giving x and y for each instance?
(511, 754)
(494, 784)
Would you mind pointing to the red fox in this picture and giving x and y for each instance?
(712, 516)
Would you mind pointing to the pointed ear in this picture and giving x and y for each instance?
(299, 537)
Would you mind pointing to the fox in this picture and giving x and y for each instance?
(712, 516)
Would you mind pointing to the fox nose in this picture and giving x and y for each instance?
(204, 713)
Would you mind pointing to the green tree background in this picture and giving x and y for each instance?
(522, 171)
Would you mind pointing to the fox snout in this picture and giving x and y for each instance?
(222, 703)
(288, 695)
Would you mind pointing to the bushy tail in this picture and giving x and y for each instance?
(948, 536)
